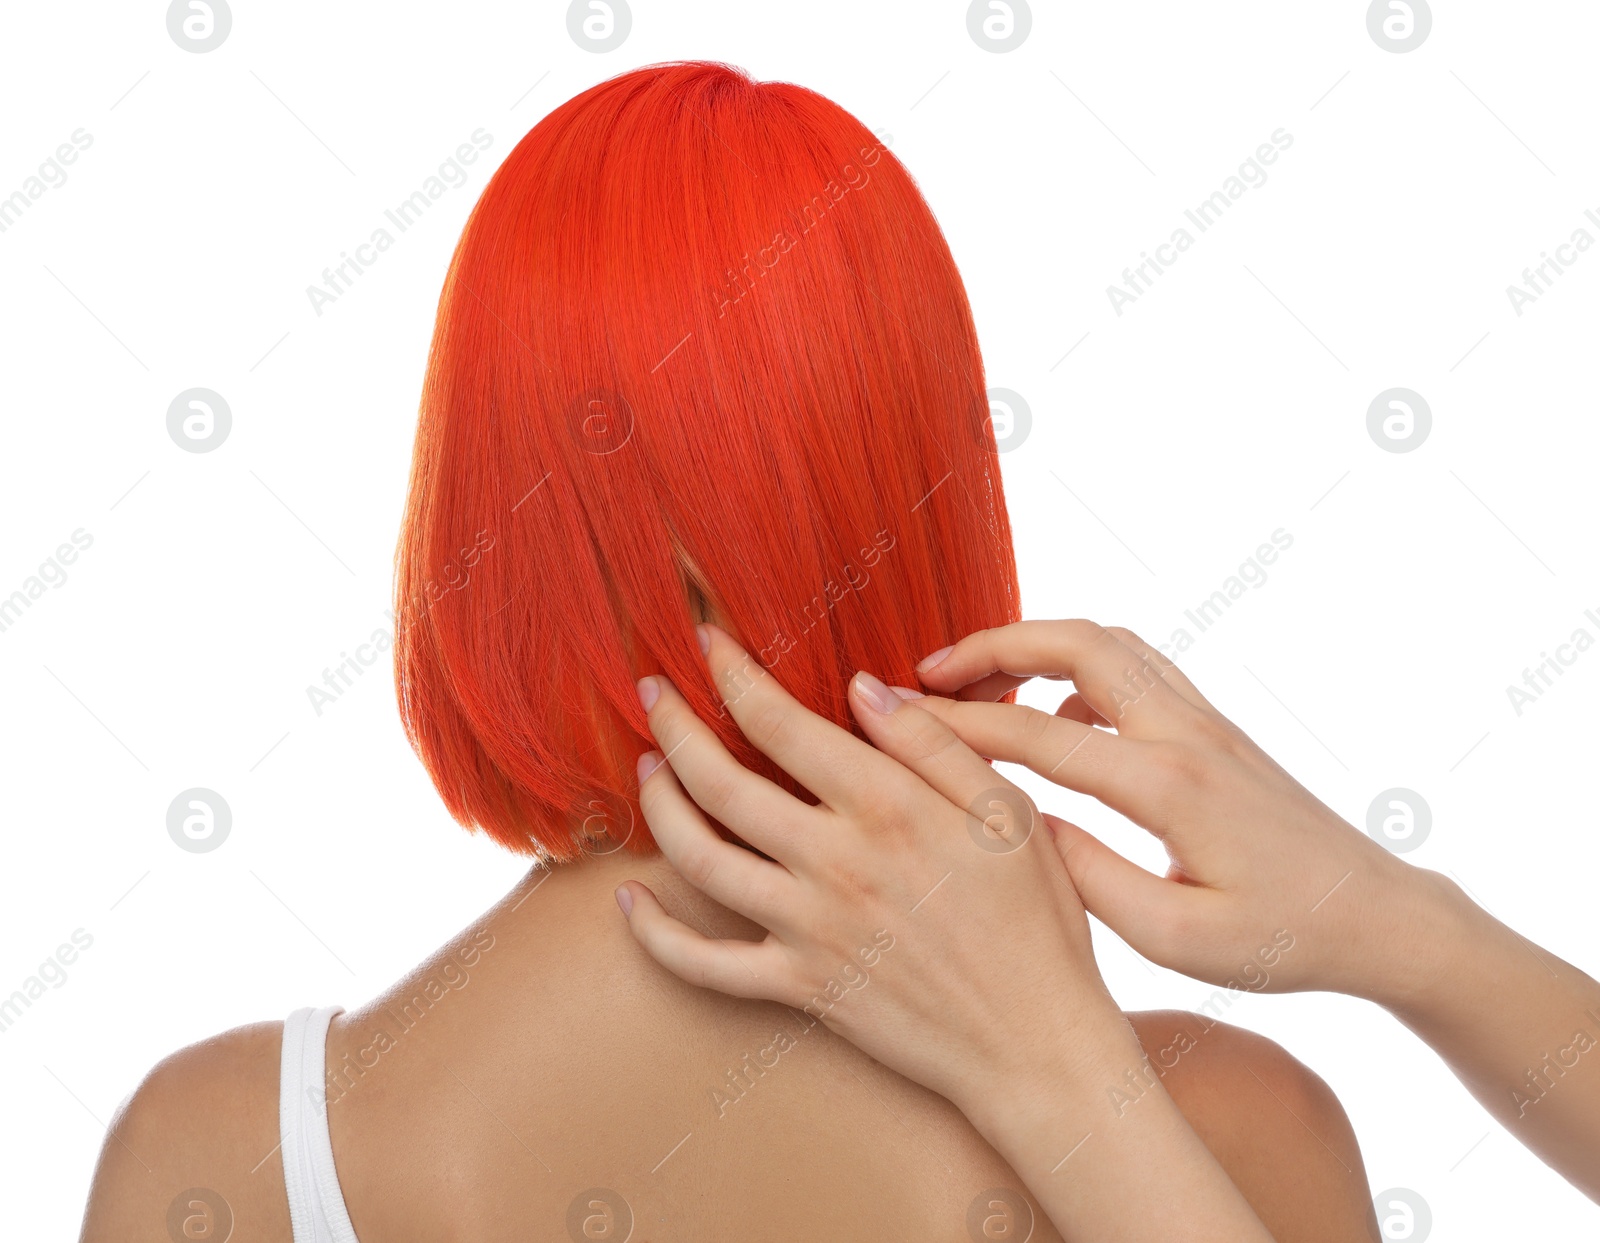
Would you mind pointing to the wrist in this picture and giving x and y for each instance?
(1095, 1102)
(1432, 936)
(1072, 1070)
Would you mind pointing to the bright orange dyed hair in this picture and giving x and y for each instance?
(702, 352)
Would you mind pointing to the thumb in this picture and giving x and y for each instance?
(1139, 907)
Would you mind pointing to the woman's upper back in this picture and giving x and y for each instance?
(539, 1078)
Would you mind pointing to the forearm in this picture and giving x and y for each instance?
(1087, 1155)
(1518, 1026)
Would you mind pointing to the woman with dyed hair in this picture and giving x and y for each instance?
(704, 435)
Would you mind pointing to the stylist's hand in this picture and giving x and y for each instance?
(1259, 864)
(929, 939)
(1268, 888)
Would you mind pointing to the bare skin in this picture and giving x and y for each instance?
(1252, 851)
(559, 1057)
(915, 845)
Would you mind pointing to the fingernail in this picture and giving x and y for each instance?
(704, 635)
(649, 692)
(625, 900)
(929, 661)
(648, 763)
(905, 692)
(876, 693)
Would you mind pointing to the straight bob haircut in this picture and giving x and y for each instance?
(702, 353)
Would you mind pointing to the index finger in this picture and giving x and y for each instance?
(1124, 686)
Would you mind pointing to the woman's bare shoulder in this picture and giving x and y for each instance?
(195, 1146)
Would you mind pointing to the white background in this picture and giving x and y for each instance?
(1167, 443)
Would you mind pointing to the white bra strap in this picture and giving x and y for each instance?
(316, 1204)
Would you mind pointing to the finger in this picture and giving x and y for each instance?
(1120, 685)
(1067, 752)
(899, 727)
(835, 765)
(757, 810)
(1170, 673)
(1140, 907)
(1076, 708)
(738, 878)
(996, 685)
(757, 969)
(991, 688)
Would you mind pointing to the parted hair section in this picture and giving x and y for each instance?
(702, 353)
